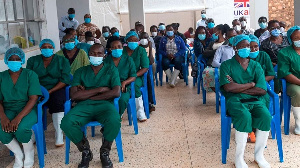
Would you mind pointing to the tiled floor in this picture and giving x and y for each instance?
(182, 132)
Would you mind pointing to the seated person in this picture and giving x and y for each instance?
(105, 35)
(77, 57)
(244, 29)
(54, 74)
(189, 33)
(94, 88)
(289, 69)
(87, 43)
(201, 40)
(210, 26)
(19, 91)
(172, 48)
(114, 36)
(141, 61)
(127, 72)
(243, 84)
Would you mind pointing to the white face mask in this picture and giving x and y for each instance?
(91, 42)
(244, 23)
(237, 28)
(144, 42)
(154, 34)
(282, 29)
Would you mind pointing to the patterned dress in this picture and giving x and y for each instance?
(83, 28)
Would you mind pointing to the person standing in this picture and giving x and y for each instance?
(202, 21)
(67, 22)
(87, 26)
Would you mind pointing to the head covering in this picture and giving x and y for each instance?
(239, 38)
(14, 51)
(291, 31)
(253, 38)
(131, 33)
(49, 41)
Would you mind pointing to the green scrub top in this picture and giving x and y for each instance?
(16, 96)
(84, 46)
(57, 71)
(288, 62)
(126, 67)
(81, 60)
(264, 60)
(108, 76)
(253, 73)
(139, 57)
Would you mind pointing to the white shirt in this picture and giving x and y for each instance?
(201, 23)
(223, 53)
(65, 23)
(264, 36)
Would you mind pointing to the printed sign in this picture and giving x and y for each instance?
(242, 8)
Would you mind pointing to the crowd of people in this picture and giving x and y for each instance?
(101, 65)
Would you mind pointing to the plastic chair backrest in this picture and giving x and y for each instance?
(45, 95)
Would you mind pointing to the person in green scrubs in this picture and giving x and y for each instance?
(289, 69)
(77, 57)
(19, 91)
(94, 88)
(54, 75)
(243, 84)
(141, 61)
(127, 72)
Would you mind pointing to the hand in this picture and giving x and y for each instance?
(5, 124)
(14, 124)
(50, 91)
(123, 87)
(80, 87)
(229, 79)
(253, 84)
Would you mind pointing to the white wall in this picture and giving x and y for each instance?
(258, 8)
(220, 10)
(134, 14)
(297, 11)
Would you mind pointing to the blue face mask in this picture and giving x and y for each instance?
(116, 34)
(275, 32)
(263, 25)
(201, 36)
(253, 54)
(244, 52)
(297, 43)
(170, 33)
(47, 52)
(106, 34)
(203, 15)
(215, 37)
(133, 45)
(96, 61)
(117, 53)
(70, 45)
(87, 20)
(211, 25)
(231, 40)
(71, 16)
(14, 66)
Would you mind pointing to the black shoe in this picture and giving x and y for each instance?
(180, 75)
(87, 154)
(104, 154)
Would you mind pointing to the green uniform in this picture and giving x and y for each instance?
(126, 68)
(57, 71)
(288, 63)
(81, 59)
(88, 110)
(15, 98)
(140, 60)
(245, 116)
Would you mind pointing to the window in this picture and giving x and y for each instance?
(20, 23)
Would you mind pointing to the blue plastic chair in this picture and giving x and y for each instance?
(131, 110)
(150, 71)
(217, 89)
(93, 124)
(201, 62)
(275, 124)
(144, 91)
(286, 103)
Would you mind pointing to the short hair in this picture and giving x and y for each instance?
(153, 26)
(113, 28)
(106, 27)
(88, 34)
(272, 22)
(235, 20)
(175, 25)
(71, 10)
(69, 30)
(262, 17)
(169, 26)
(223, 28)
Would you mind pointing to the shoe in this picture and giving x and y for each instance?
(16, 149)
(174, 77)
(251, 137)
(59, 137)
(151, 107)
(180, 75)
(140, 111)
(168, 73)
(260, 144)
(296, 112)
(241, 141)
(29, 154)
(104, 154)
(87, 155)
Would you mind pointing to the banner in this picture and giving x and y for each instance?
(242, 8)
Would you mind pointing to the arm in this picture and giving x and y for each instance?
(141, 72)
(151, 58)
(127, 82)
(255, 91)
(269, 78)
(65, 76)
(78, 93)
(108, 95)
(182, 49)
(237, 88)
(292, 79)
(162, 48)
(217, 58)
(58, 86)
(5, 122)
(26, 110)
(198, 48)
(61, 25)
(98, 33)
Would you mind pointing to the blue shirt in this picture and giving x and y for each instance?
(65, 23)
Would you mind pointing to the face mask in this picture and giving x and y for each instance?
(170, 33)
(297, 43)
(237, 28)
(263, 25)
(87, 20)
(253, 54)
(201, 36)
(70, 46)
(144, 42)
(117, 53)
(91, 42)
(211, 25)
(106, 34)
(244, 52)
(215, 37)
(116, 34)
(71, 16)
(275, 32)
(231, 40)
(244, 23)
(203, 16)
(96, 61)
(154, 34)
(14, 65)
(282, 29)
(162, 27)
(47, 52)
(133, 45)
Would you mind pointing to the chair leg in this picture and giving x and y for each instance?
(203, 92)
(134, 118)
(129, 111)
(146, 104)
(287, 112)
(40, 145)
(279, 138)
(93, 131)
(67, 150)
(119, 147)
